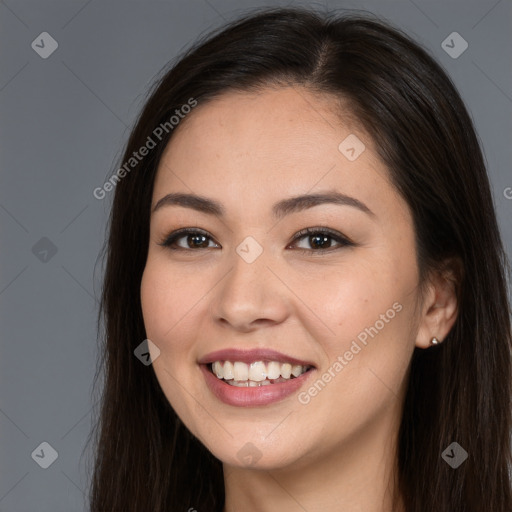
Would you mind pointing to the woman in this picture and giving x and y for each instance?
(303, 244)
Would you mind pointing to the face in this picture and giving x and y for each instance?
(246, 290)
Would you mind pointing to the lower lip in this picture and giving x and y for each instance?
(251, 397)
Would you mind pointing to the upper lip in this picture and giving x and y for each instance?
(249, 356)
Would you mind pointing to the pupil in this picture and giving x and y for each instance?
(194, 237)
(324, 238)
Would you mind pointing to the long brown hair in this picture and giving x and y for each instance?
(460, 390)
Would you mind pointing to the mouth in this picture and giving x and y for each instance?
(261, 382)
(254, 377)
(257, 373)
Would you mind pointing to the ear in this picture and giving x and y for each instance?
(440, 304)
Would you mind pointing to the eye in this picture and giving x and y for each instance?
(195, 238)
(319, 239)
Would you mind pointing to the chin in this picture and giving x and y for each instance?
(255, 450)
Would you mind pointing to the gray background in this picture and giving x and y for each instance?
(63, 123)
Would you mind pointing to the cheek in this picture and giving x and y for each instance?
(166, 299)
(164, 303)
(356, 299)
(155, 301)
(370, 310)
(164, 309)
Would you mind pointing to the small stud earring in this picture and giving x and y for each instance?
(434, 341)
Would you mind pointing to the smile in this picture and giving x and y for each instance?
(253, 393)
(257, 373)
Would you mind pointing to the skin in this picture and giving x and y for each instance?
(249, 151)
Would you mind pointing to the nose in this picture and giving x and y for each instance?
(250, 295)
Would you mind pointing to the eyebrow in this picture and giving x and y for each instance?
(279, 209)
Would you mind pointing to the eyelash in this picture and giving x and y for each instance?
(170, 239)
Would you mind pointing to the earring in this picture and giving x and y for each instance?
(434, 341)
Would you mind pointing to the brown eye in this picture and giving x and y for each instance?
(194, 239)
(320, 240)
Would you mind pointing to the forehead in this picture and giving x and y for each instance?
(289, 120)
(266, 145)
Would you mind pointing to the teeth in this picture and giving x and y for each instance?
(274, 370)
(240, 371)
(286, 370)
(257, 373)
(253, 384)
(228, 370)
(296, 370)
(217, 369)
